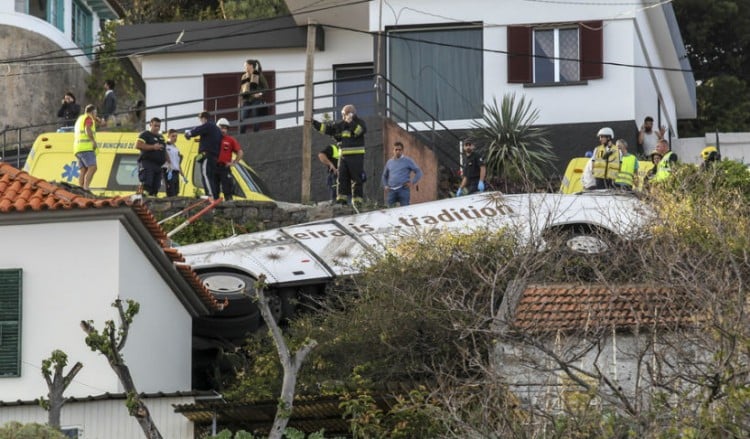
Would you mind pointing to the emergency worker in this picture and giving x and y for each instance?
(84, 145)
(627, 177)
(474, 171)
(230, 148)
(710, 154)
(330, 158)
(208, 152)
(606, 160)
(153, 155)
(351, 170)
(668, 159)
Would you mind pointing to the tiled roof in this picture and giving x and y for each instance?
(20, 192)
(565, 307)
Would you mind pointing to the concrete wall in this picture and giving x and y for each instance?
(277, 157)
(33, 91)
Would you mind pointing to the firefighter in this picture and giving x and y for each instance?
(351, 133)
(606, 160)
(710, 154)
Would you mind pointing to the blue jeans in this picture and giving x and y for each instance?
(401, 196)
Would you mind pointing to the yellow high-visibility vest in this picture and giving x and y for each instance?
(626, 176)
(81, 142)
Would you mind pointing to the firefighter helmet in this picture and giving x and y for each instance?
(710, 153)
(606, 131)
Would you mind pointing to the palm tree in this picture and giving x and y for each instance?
(517, 154)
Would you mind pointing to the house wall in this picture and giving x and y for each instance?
(109, 419)
(522, 367)
(158, 350)
(179, 77)
(63, 283)
(616, 97)
(73, 271)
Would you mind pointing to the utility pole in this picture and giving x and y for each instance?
(308, 112)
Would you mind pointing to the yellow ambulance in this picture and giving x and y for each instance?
(51, 158)
(571, 182)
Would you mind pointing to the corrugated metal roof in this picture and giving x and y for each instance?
(310, 413)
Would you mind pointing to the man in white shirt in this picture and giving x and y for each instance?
(648, 137)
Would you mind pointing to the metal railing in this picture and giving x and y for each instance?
(389, 101)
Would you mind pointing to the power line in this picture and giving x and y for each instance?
(153, 47)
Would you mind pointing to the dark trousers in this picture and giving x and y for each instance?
(208, 172)
(605, 183)
(224, 180)
(250, 111)
(172, 184)
(150, 176)
(472, 185)
(331, 184)
(351, 170)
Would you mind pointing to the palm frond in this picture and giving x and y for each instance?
(516, 151)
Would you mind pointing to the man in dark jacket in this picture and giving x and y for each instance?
(208, 150)
(153, 155)
(351, 133)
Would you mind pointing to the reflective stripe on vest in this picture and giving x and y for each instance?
(352, 151)
(663, 168)
(336, 151)
(627, 170)
(81, 142)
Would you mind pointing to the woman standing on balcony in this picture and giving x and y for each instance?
(251, 93)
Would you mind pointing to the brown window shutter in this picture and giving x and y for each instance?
(519, 54)
(591, 49)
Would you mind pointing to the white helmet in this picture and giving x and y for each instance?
(606, 131)
(222, 122)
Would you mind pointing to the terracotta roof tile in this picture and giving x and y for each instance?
(544, 308)
(20, 192)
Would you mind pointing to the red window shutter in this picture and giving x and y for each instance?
(592, 45)
(519, 54)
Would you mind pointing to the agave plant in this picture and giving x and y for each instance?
(517, 154)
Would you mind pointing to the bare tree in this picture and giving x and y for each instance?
(290, 363)
(110, 343)
(52, 370)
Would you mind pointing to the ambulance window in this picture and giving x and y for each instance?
(124, 174)
(197, 182)
(252, 179)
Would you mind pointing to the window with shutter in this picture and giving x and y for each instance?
(10, 322)
(549, 54)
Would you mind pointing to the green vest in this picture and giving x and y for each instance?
(82, 142)
(627, 171)
(663, 168)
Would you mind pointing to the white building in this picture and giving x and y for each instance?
(66, 259)
(583, 65)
